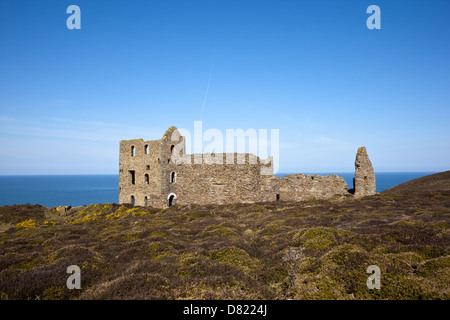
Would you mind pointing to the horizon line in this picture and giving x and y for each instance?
(304, 172)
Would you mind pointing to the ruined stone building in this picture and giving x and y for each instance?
(158, 173)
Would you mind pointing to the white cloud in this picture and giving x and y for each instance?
(76, 129)
(335, 143)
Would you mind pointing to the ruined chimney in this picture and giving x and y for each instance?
(364, 181)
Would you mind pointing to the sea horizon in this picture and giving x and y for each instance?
(283, 173)
(53, 190)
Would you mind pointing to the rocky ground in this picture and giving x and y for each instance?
(279, 250)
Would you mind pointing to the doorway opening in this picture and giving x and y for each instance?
(171, 199)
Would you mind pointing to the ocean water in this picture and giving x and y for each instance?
(56, 190)
(76, 190)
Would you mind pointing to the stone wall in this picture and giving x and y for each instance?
(299, 187)
(220, 183)
(141, 166)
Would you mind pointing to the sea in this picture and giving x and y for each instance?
(76, 190)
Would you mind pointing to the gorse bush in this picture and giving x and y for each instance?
(26, 224)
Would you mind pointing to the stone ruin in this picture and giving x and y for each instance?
(151, 174)
(364, 181)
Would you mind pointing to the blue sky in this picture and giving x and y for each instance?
(311, 69)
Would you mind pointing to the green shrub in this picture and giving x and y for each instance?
(235, 257)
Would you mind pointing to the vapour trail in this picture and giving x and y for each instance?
(207, 88)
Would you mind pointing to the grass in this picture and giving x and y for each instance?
(279, 250)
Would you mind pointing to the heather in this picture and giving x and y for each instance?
(274, 250)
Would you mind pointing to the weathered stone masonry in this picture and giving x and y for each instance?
(364, 181)
(152, 174)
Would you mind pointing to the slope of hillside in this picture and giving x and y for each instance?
(431, 183)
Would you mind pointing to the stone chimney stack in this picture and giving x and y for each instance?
(364, 181)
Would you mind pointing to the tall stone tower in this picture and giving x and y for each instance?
(364, 181)
(147, 175)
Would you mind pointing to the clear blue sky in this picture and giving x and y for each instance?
(311, 69)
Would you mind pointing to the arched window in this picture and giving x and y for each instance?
(146, 179)
(133, 151)
(171, 149)
(173, 177)
(146, 201)
(146, 149)
(132, 200)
